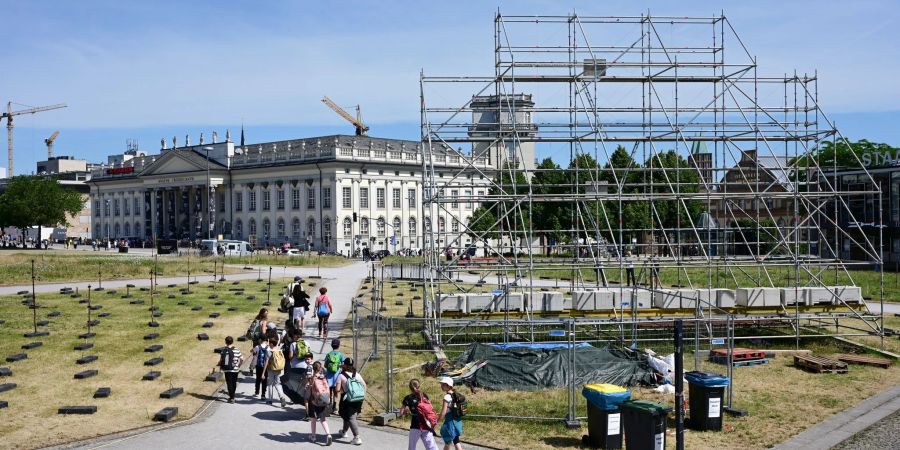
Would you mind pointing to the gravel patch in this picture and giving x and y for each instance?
(884, 434)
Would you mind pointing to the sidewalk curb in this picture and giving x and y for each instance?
(845, 424)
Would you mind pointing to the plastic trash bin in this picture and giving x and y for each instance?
(604, 417)
(645, 424)
(705, 394)
(123, 249)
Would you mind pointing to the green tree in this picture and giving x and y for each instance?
(37, 201)
(550, 217)
(849, 156)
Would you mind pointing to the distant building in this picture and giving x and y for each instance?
(501, 121)
(766, 176)
(3, 172)
(700, 159)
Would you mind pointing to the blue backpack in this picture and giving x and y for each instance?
(261, 356)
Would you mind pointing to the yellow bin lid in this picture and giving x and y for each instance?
(605, 388)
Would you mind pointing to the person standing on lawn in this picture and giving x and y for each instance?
(451, 430)
(351, 389)
(323, 311)
(420, 428)
(230, 362)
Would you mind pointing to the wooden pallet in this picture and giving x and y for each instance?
(819, 364)
(744, 363)
(738, 354)
(865, 360)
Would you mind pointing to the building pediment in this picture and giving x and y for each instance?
(178, 162)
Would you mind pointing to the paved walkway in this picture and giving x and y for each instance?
(842, 426)
(250, 423)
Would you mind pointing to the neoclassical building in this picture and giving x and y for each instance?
(336, 193)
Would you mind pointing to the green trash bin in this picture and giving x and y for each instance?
(645, 424)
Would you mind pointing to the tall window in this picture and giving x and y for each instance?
(326, 198)
(454, 194)
(116, 207)
(126, 205)
(348, 228)
(469, 195)
(295, 230)
(326, 229)
(137, 206)
(252, 202)
(364, 226)
(311, 229)
(412, 227)
(395, 198)
(347, 197)
(238, 229)
(267, 200)
(127, 229)
(118, 232)
(280, 199)
(295, 198)
(267, 228)
(311, 198)
(455, 226)
(97, 208)
(363, 197)
(379, 198)
(380, 226)
(253, 226)
(442, 225)
(427, 224)
(280, 229)
(238, 201)
(221, 198)
(397, 224)
(411, 198)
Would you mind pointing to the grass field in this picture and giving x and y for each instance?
(45, 379)
(781, 399)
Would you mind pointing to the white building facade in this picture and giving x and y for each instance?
(333, 193)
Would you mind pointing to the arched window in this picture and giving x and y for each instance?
(348, 228)
(442, 225)
(311, 228)
(137, 229)
(252, 227)
(267, 228)
(118, 231)
(455, 225)
(127, 229)
(427, 225)
(295, 230)
(412, 226)
(397, 227)
(364, 226)
(380, 226)
(326, 229)
(238, 229)
(280, 229)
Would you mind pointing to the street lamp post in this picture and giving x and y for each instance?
(209, 206)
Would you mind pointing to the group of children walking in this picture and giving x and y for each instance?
(331, 385)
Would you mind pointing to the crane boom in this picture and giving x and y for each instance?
(9, 114)
(49, 142)
(361, 128)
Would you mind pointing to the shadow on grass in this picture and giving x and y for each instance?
(563, 441)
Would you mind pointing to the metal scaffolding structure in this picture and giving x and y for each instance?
(670, 154)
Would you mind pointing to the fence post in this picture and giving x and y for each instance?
(679, 384)
(571, 415)
(354, 314)
(389, 366)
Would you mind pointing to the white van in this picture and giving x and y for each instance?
(209, 247)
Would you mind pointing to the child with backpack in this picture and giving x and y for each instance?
(323, 311)
(333, 361)
(274, 368)
(230, 361)
(423, 418)
(452, 411)
(352, 389)
(319, 399)
(260, 353)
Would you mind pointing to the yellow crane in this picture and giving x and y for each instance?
(9, 114)
(49, 142)
(361, 128)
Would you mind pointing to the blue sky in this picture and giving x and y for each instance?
(146, 70)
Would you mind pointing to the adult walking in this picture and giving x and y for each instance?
(421, 426)
(323, 311)
(351, 388)
(301, 303)
(451, 430)
(230, 361)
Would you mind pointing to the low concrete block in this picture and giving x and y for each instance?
(794, 296)
(207, 325)
(153, 348)
(196, 308)
(153, 362)
(87, 335)
(202, 337)
(757, 297)
(514, 301)
(166, 414)
(102, 392)
(7, 387)
(16, 357)
(150, 376)
(553, 302)
(215, 376)
(851, 294)
(86, 359)
(5, 372)
(84, 346)
(77, 410)
(583, 300)
(214, 315)
(605, 299)
(171, 393)
(85, 374)
(32, 345)
(666, 299)
(479, 303)
(687, 298)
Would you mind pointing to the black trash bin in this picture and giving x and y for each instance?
(604, 417)
(705, 394)
(645, 424)
(123, 249)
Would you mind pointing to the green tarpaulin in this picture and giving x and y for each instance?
(529, 369)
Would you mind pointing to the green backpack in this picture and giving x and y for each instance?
(333, 361)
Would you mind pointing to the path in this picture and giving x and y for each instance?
(250, 423)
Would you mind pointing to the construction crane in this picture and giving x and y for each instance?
(9, 114)
(49, 142)
(361, 128)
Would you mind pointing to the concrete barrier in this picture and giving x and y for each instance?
(759, 296)
(666, 299)
(479, 303)
(452, 302)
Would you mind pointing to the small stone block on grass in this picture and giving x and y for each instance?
(398, 303)
(202, 337)
(86, 359)
(136, 302)
(165, 414)
(86, 335)
(5, 372)
(84, 346)
(213, 296)
(75, 295)
(82, 301)
(54, 314)
(22, 292)
(16, 357)
(32, 345)
(171, 296)
(95, 307)
(152, 375)
(85, 374)
(194, 282)
(173, 285)
(43, 323)
(219, 303)
(215, 376)
(77, 410)
(153, 308)
(196, 308)
(251, 297)
(4, 404)
(145, 289)
(214, 315)
(103, 315)
(157, 314)
(93, 323)
(182, 303)
(171, 393)
(112, 292)
(267, 303)
(242, 338)
(151, 336)
(153, 348)
(127, 296)
(129, 285)
(232, 309)
(207, 325)
(153, 361)
(7, 387)
(153, 324)
(102, 392)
